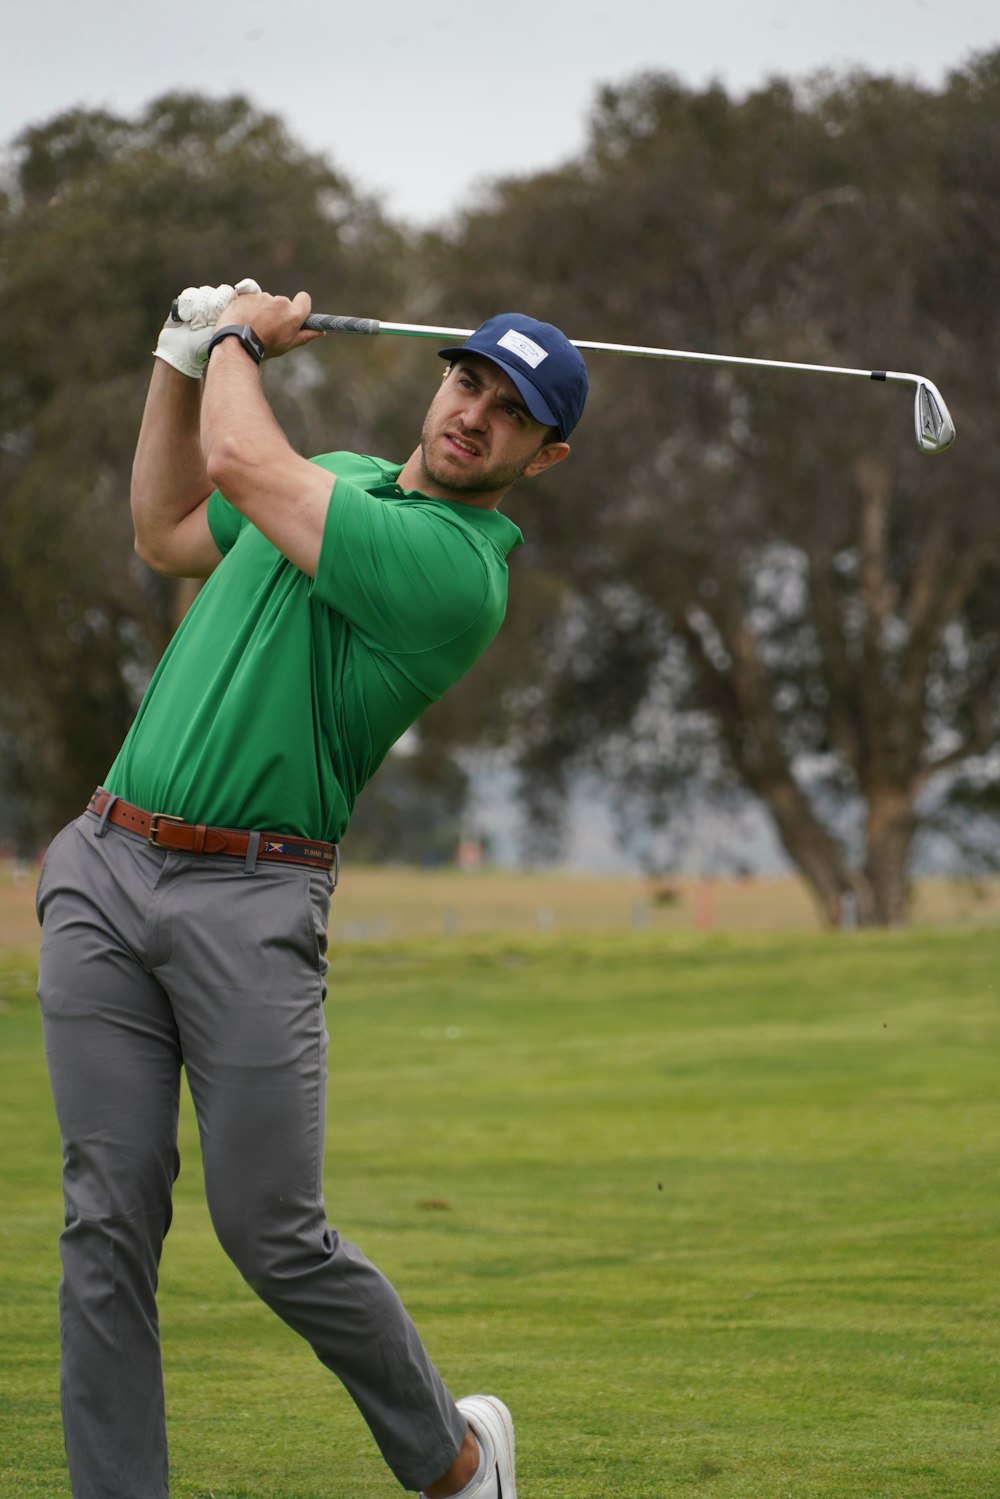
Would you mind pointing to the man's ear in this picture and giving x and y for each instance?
(547, 457)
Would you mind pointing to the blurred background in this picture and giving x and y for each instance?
(753, 631)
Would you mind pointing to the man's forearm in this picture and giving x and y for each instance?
(248, 457)
(169, 478)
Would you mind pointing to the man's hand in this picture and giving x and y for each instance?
(185, 336)
(277, 321)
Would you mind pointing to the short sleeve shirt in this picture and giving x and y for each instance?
(280, 694)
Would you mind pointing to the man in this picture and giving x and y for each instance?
(184, 914)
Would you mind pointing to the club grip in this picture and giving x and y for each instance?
(326, 322)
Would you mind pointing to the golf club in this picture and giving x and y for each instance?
(932, 422)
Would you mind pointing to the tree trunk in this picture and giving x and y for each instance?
(877, 894)
(815, 853)
(889, 829)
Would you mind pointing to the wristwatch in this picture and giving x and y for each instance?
(246, 336)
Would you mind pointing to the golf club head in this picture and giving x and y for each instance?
(932, 420)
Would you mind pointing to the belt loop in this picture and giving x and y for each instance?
(336, 867)
(250, 861)
(102, 826)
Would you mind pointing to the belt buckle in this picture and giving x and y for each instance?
(155, 818)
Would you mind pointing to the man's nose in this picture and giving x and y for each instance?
(474, 415)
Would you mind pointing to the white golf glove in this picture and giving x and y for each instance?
(185, 336)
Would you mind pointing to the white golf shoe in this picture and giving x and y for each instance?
(491, 1423)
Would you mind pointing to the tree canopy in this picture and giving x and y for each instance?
(748, 583)
(745, 585)
(102, 221)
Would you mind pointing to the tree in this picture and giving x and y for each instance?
(753, 585)
(102, 219)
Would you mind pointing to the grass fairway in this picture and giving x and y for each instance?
(716, 1215)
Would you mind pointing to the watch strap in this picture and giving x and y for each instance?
(246, 336)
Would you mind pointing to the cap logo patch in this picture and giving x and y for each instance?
(525, 348)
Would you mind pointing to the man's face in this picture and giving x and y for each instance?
(479, 437)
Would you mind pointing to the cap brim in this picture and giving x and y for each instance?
(533, 399)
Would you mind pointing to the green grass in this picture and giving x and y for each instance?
(717, 1216)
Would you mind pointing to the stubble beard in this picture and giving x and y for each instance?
(499, 478)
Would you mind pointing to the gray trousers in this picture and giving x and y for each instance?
(151, 961)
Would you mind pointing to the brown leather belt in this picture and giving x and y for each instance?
(172, 833)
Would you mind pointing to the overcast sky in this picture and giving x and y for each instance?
(419, 101)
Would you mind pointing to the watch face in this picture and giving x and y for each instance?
(252, 343)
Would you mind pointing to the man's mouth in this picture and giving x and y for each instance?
(461, 445)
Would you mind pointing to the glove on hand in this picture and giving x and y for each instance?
(185, 336)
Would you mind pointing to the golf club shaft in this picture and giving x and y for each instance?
(332, 324)
(934, 427)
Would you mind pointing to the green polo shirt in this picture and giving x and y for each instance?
(280, 694)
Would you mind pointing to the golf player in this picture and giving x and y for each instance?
(184, 913)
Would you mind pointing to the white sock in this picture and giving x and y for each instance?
(477, 1488)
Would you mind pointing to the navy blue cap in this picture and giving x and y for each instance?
(546, 368)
